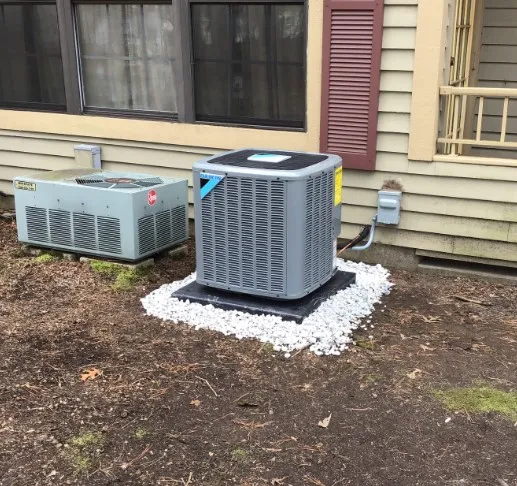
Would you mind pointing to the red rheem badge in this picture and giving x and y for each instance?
(151, 197)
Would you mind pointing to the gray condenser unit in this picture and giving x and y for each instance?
(118, 215)
(267, 223)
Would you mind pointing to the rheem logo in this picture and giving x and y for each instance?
(151, 197)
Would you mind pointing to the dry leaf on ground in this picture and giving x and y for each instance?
(278, 481)
(414, 373)
(196, 403)
(325, 422)
(90, 374)
(426, 348)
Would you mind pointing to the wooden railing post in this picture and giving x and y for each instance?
(504, 122)
(458, 97)
(480, 118)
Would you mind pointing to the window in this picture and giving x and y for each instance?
(126, 54)
(249, 63)
(31, 72)
(211, 61)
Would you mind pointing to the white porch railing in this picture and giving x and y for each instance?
(462, 131)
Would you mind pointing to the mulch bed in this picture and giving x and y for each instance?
(176, 406)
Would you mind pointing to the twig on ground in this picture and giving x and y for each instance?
(142, 454)
(209, 385)
(472, 301)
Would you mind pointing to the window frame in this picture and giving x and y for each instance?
(34, 105)
(126, 113)
(74, 91)
(228, 121)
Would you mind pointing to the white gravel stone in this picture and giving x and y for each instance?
(327, 331)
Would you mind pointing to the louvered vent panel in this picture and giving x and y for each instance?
(206, 237)
(276, 236)
(163, 228)
(146, 234)
(319, 205)
(309, 231)
(234, 237)
(220, 232)
(84, 231)
(243, 234)
(179, 224)
(261, 234)
(60, 223)
(247, 245)
(37, 228)
(108, 231)
(349, 81)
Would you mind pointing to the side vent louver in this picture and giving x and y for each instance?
(37, 227)
(60, 227)
(146, 234)
(97, 233)
(318, 235)
(108, 234)
(84, 231)
(162, 229)
(179, 224)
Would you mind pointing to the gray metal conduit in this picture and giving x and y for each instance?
(370, 239)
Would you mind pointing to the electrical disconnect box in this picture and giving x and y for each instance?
(388, 207)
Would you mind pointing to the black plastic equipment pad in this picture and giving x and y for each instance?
(288, 310)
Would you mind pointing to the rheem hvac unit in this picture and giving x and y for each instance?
(122, 216)
(267, 223)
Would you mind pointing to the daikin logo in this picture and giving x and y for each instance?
(208, 182)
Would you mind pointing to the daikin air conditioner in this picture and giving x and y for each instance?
(267, 223)
(118, 215)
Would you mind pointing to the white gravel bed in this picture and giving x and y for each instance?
(327, 331)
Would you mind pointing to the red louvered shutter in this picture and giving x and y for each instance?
(352, 41)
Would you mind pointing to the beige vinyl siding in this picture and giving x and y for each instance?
(458, 209)
(498, 69)
(452, 208)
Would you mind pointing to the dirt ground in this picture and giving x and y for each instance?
(175, 406)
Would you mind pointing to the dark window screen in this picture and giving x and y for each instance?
(31, 71)
(249, 63)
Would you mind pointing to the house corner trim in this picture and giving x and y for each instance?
(427, 77)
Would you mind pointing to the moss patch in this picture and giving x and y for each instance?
(124, 278)
(365, 344)
(480, 399)
(45, 258)
(107, 268)
(84, 448)
(267, 348)
(141, 433)
(240, 456)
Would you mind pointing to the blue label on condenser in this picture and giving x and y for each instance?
(208, 182)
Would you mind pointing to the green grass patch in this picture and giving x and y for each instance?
(107, 268)
(45, 258)
(84, 448)
(479, 399)
(267, 348)
(141, 433)
(373, 378)
(240, 456)
(124, 278)
(365, 344)
(86, 440)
